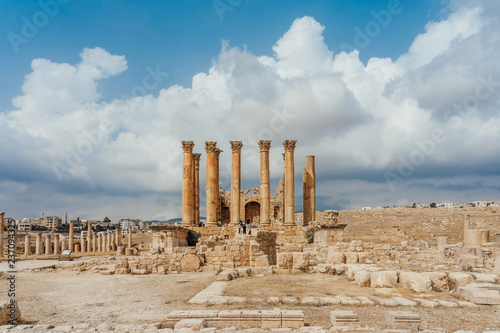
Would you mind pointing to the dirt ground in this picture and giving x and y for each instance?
(70, 297)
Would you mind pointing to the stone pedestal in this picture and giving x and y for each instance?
(309, 192)
(211, 183)
(402, 320)
(235, 182)
(265, 188)
(187, 184)
(289, 202)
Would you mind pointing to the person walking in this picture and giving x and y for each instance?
(248, 227)
(239, 227)
(244, 228)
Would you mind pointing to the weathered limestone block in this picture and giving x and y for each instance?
(480, 293)
(485, 278)
(9, 313)
(365, 257)
(335, 258)
(300, 261)
(292, 319)
(439, 281)
(270, 319)
(325, 269)
(194, 324)
(190, 262)
(343, 318)
(263, 261)
(418, 282)
(227, 275)
(402, 320)
(285, 260)
(459, 279)
(362, 278)
(384, 279)
(351, 257)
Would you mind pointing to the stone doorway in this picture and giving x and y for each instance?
(252, 212)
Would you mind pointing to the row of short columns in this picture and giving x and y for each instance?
(190, 184)
(93, 243)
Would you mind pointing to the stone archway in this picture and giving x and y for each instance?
(252, 212)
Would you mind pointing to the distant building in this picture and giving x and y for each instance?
(483, 203)
(366, 208)
(23, 225)
(446, 205)
(52, 222)
(126, 223)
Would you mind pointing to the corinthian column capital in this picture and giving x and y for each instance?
(211, 146)
(264, 145)
(289, 145)
(236, 146)
(188, 146)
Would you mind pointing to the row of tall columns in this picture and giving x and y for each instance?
(94, 243)
(2, 216)
(309, 191)
(190, 184)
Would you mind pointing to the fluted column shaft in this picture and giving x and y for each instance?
(265, 189)
(38, 244)
(196, 159)
(118, 236)
(309, 191)
(47, 244)
(56, 243)
(89, 237)
(218, 202)
(235, 181)
(129, 245)
(27, 245)
(70, 238)
(187, 184)
(289, 217)
(211, 183)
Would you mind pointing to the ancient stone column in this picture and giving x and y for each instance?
(235, 181)
(99, 243)
(82, 243)
(265, 188)
(118, 236)
(63, 244)
(89, 237)
(56, 243)
(289, 216)
(187, 184)
(113, 242)
(196, 159)
(129, 245)
(38, 243)
(94, 242)
(218, 203)
(309, 192)
(212, 183)
(108, 241)
(47, 244)
(27, 245)
(2, 221)
(70, 239)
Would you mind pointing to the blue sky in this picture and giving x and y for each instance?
(382, 120)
